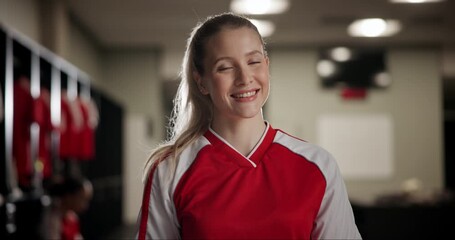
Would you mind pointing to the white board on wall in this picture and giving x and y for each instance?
(362, 144)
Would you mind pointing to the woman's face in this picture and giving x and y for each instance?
(236, 74)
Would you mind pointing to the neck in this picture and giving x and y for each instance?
(242, 134)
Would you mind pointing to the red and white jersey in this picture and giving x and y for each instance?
(285, 188)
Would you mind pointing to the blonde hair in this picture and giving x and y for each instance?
(192, 112)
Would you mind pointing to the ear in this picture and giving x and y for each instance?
(197, 77)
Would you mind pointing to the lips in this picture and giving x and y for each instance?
(245, 94)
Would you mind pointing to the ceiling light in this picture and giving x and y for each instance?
(374, 27)
(341, 54)
(415, 1)
(257, 7)
(326, 68)
(382, 79)
(265, 28)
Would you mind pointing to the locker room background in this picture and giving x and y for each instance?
(130, 86)
(26, 191)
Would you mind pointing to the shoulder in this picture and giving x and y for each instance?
(309, 151)
(187, 155)
(169, 170)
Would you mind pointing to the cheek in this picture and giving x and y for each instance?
(218, 84)
(265, 81)
(265, 77)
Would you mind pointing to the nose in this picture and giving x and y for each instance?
(243, 76)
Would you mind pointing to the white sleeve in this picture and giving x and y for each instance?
(157, 216)
(335, 219)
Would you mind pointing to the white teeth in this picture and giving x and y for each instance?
(245, 95)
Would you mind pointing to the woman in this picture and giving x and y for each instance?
(226, 173)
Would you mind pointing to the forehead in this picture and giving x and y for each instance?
(233, 41)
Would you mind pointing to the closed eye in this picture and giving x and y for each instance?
(222, 69)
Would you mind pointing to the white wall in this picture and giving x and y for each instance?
(171, 61)
(413, 101)
(85, 54)
(137, 144)
(132, 77)
(22, 15)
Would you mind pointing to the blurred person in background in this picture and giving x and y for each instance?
(70, 197)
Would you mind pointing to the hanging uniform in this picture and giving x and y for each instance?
(70, 125)
(22, 120)
(86, 146)
(285, 188)
(42, 116)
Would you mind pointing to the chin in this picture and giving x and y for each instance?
(250, 114)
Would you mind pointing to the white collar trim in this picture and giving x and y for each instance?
(252, 151)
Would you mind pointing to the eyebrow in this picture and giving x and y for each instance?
(248, 54)
(254, 52)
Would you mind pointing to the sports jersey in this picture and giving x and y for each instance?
(70, 126)
(285, 188)
(23, 118)
(86, 145)
(42, 116)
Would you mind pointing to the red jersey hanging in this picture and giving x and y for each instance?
(86, 137)
(70, 126)
(22, 120)
(42, 116)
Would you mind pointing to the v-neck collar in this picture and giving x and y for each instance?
(254, 157)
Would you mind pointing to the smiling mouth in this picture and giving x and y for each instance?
(245, 94)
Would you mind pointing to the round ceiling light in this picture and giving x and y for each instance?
(415, 1)
(374, 27)
(265, 27)
(258, 7)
